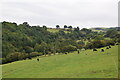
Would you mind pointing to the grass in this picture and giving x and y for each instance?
(54, 30)
(87, 64)
(98, 30)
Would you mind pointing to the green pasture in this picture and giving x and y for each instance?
(87, 64)
(56, 30)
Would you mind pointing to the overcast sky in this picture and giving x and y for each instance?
(82, 13)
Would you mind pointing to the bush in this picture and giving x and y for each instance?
(39, 48)
(28, 49)
(109, 42)
(14, 57)
(99, 44)
(118, 40)
(68, 48)
(79, 46)
(34, 54)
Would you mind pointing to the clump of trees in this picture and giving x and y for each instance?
(99, 44)
(68, 48)
(112, 34)
(19, 56)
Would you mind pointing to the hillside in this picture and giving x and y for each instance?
(22, 41)
(87, 64)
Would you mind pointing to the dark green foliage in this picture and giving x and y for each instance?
(26, 24)
(65, 26)
(34, 54)
(19, 56)
(61, 32)
(118, 40)
(86, 30)
(39, 48)
(112, 34)
(68, 48)
(70, 27)
(99, 44)
(28, 49)
(100, 37)
(76, 29)
(44, 27)
(14, 57)
(57, 26)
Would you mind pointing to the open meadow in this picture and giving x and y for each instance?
(87, 64)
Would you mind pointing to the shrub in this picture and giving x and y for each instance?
(14, 57)
(28, 49)
(68, 48)
(34, 54)
(99, 44)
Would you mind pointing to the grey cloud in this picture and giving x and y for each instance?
(83, 13)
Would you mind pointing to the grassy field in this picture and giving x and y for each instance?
(53, 30)
(56, 30)
(87, 64)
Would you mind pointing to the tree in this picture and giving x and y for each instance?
(100, 37)
(112, 34)
(61, 32)
(70, 27)
(86, 30)
(68, 48)
(44, 27)
(76, 29)
(44, 45)
(57, 26)
(34, 54)
(26, 24)
(28, 49)
(65, 26)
